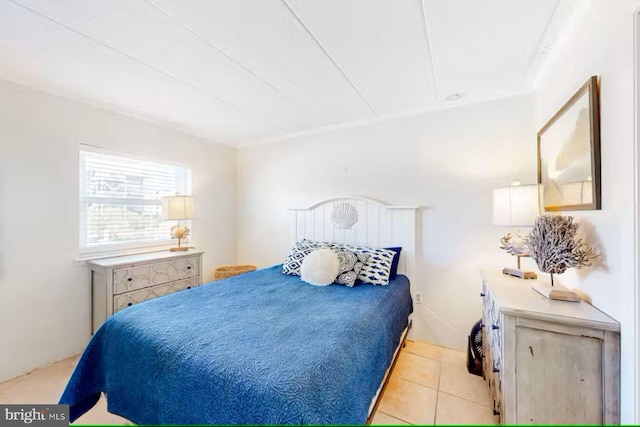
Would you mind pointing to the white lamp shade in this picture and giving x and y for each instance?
(177, 207)
(516, 206)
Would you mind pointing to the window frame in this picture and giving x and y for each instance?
(104, 250)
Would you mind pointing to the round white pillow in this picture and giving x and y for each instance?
(320, 267)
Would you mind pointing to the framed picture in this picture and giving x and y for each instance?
(569, 153)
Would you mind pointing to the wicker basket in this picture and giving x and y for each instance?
(225, 271)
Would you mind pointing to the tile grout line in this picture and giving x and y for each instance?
(437, 389)
(455, 395)
(435, 411)
(417, 383)
(465, 399)
(396, 417)
(420, 384)
(424, 357)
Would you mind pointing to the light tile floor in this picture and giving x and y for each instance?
(430, 384)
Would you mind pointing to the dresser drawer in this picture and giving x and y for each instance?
(142, 276)
(117, 282)
(127, 299)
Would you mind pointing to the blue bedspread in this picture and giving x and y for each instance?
(260, 348)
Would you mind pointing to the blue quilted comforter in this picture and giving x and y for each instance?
(260, 348)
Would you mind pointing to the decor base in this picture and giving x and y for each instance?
(519, 273)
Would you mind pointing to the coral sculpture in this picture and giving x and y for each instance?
(554, 246)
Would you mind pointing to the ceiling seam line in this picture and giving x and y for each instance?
(328, 55)
(535, 59)
(381, 118)
(151, 67)
(219, 50)
(429, 49)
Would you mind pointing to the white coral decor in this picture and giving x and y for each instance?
(554, 246)
(320, 267)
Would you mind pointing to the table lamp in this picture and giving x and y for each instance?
(178, 207)
(516, 206)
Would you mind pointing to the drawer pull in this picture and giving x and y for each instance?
(188, 287)
(494, 326)
(482, 294)
(496, 412)
(189, 268)
(130, 279)
(130, 304)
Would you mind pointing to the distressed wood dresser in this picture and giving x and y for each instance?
(547, 361)
(120, 282)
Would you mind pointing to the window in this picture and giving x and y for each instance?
(120, 201)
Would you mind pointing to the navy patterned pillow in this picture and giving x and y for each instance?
(376, 269)
(351, 263)
(293, 262)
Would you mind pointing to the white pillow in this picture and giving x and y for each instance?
(320, 267)
(300, 250)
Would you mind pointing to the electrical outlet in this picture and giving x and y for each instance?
(418, 297)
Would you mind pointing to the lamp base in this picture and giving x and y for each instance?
(179, 249)
(519, 273)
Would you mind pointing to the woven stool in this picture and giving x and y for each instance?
(225, 271)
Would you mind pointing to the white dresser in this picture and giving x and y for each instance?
(120, 282)
(546, 361)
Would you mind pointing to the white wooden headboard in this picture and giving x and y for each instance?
(379, 225)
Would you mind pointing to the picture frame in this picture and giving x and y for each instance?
(569, 153)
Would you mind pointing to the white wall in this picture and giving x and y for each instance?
(448, 162)
(600, 42)
(45, 295)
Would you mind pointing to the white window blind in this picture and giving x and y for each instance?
(120, 201)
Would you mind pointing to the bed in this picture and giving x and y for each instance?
(260, 348)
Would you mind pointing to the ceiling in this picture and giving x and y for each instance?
(239, 72)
